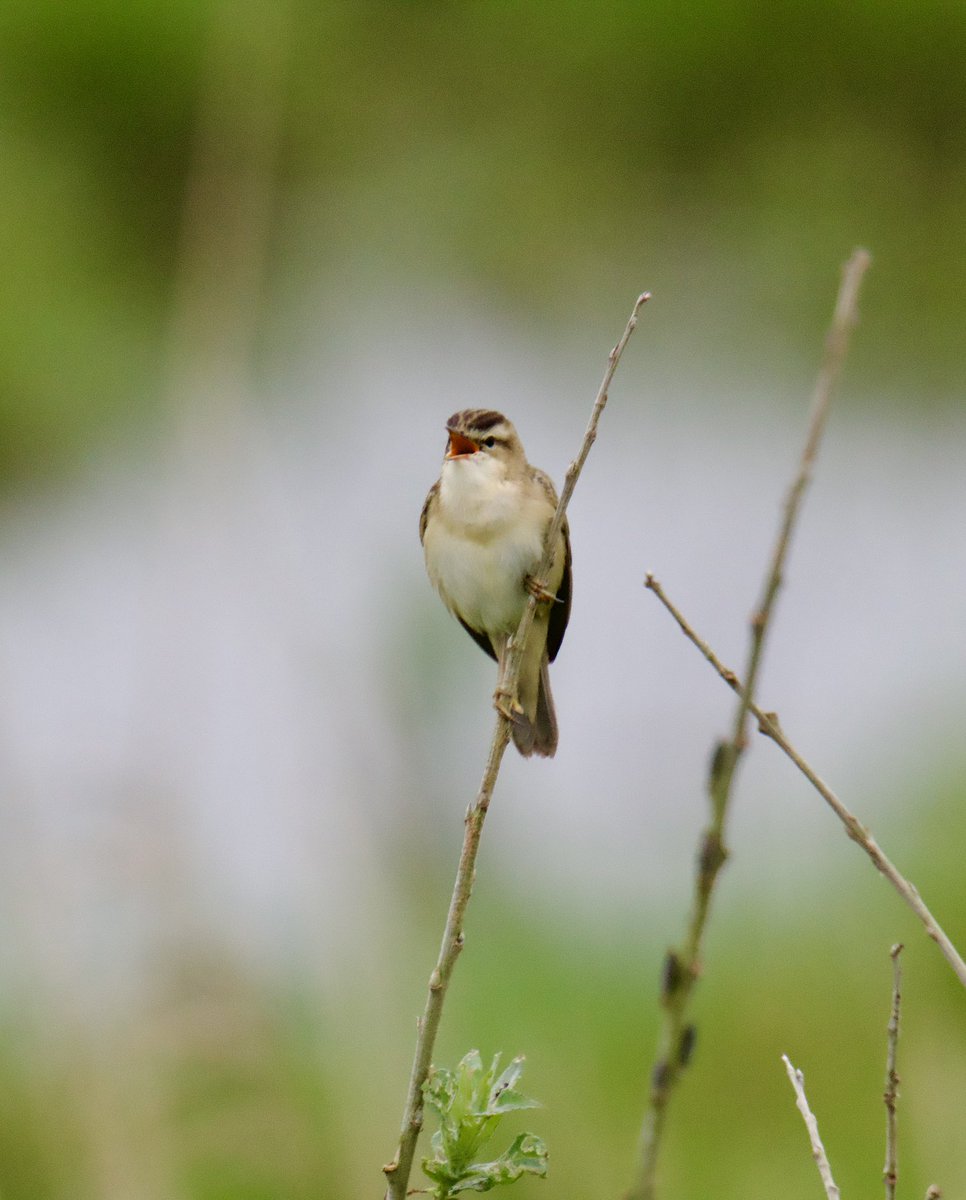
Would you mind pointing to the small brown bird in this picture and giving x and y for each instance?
(482, 528)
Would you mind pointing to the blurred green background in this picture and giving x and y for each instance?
(255, 254)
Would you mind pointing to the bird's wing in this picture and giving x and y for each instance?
(424, 515)
(480, 638)
(559, 611)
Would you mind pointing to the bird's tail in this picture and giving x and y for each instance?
(535, 729)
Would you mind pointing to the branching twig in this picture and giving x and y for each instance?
(682, 966)
(768, 725)
(818, 1150)
(398, 1171)
(891, 1095)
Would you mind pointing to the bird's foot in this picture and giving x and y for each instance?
(533, 585)
(507, 705)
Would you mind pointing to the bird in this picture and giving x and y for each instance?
(482, 530)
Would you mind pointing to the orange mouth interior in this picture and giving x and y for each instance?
(460, 446)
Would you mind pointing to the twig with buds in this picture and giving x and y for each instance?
(890, 1172)
(682, 965)
(398, 1171)
(891, 1095)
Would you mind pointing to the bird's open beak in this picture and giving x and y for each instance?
(459, 445)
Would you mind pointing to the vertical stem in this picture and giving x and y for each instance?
(891, 1095)
(398, 1171)
(682, 966)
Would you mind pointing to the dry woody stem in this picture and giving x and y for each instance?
(398, 1171)
(818, 1150)
(769, 726)
(683, 964)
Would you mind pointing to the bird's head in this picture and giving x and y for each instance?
(480, 431)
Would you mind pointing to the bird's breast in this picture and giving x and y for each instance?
(486, 537)
(477, 500)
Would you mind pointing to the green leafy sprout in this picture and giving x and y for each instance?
(470, 1103)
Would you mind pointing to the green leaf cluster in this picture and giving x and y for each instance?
(470, 1103)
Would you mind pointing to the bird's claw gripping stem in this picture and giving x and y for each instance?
(507, 705)
(533, 585)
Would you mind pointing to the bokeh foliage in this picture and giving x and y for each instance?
(552, 153)
(557, 157)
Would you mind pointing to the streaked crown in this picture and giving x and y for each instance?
(477, 423)
(482, 430)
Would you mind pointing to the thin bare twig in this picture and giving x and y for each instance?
(890, 1171)
(398, 1171)
(818, 1150)
(682, 966)
(844, 318)
(517, 644)
(768, 725)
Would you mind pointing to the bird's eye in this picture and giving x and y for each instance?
(490, 441)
